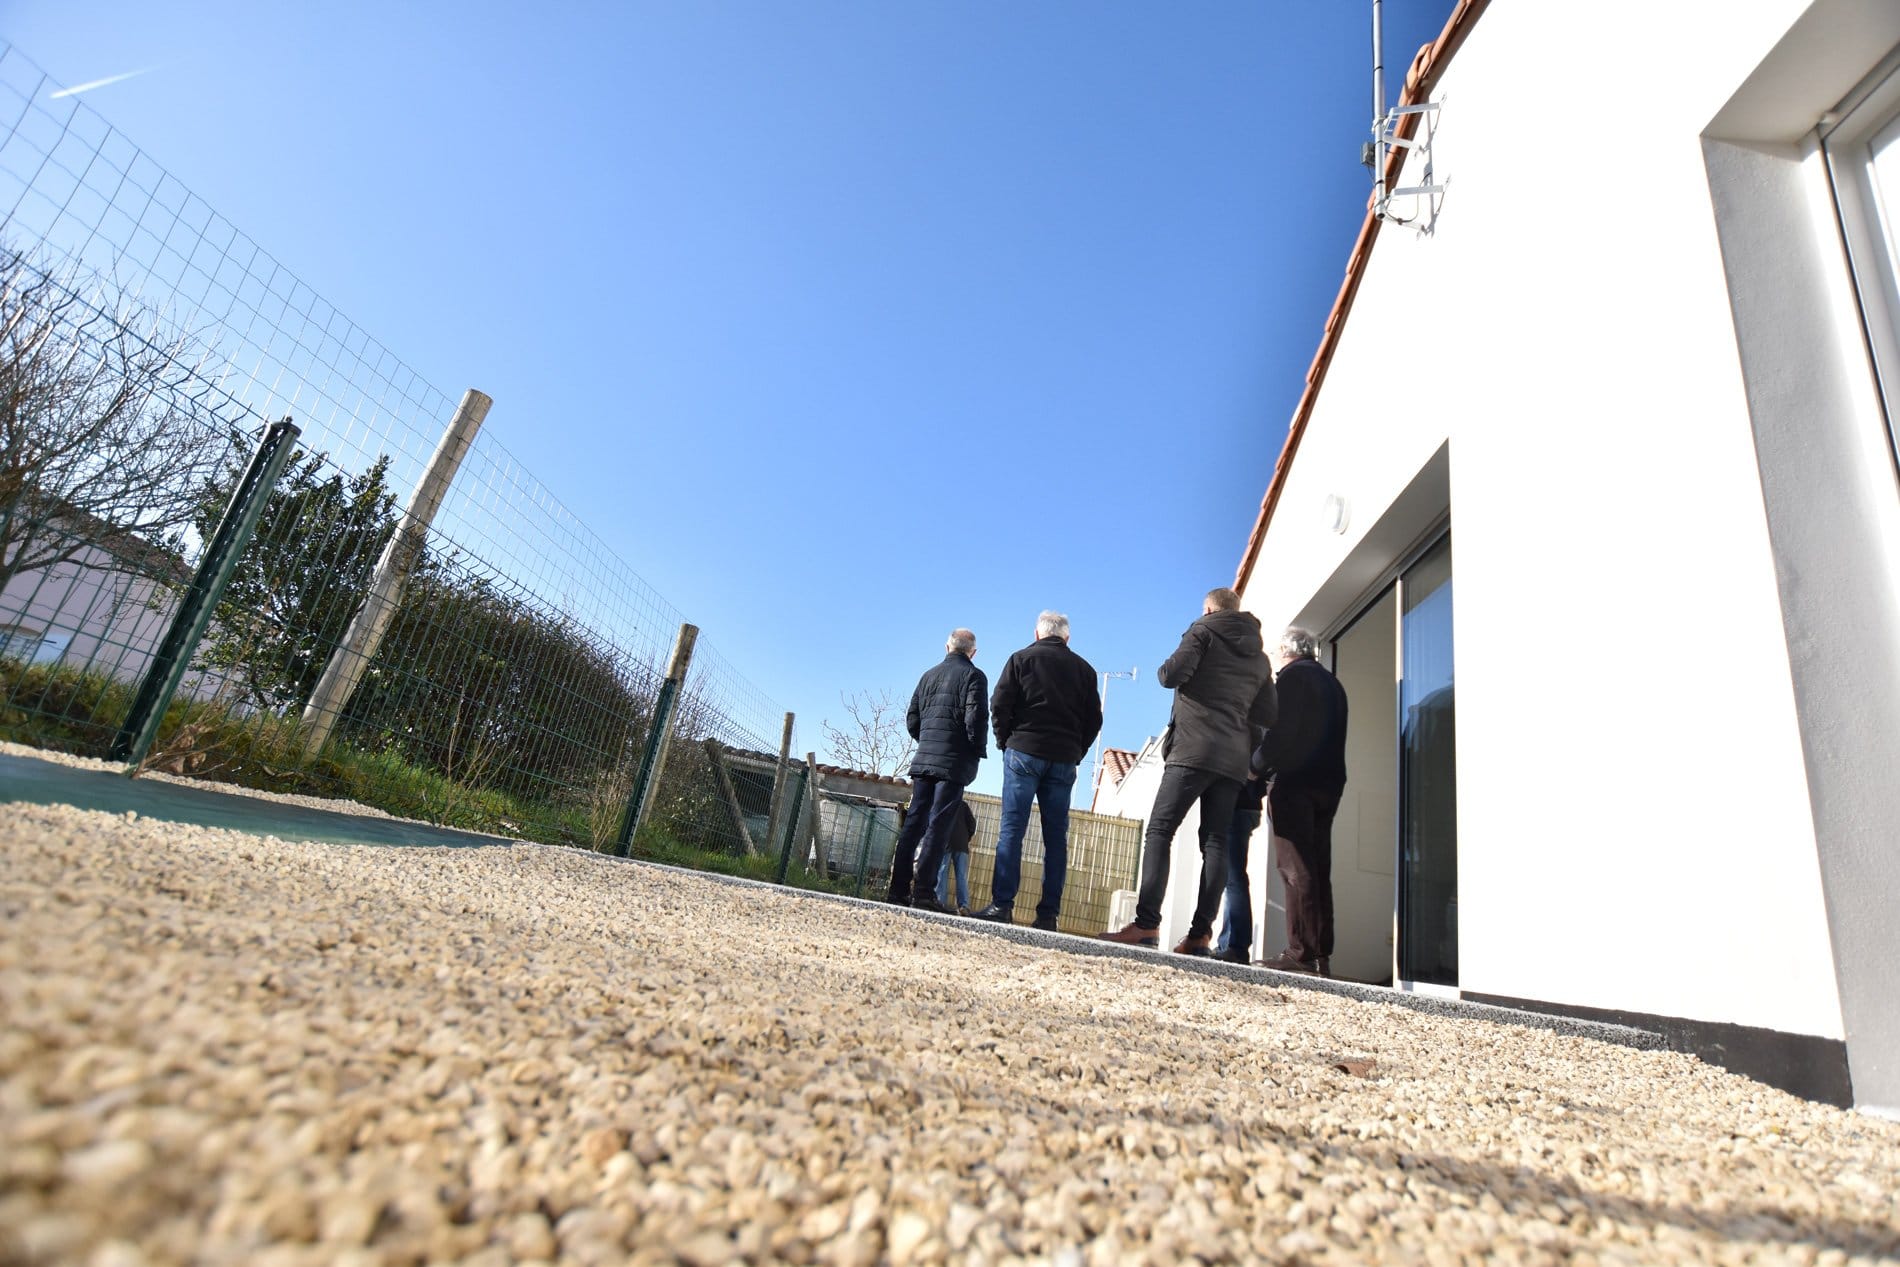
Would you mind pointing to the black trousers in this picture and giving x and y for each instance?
(1181, 786)
(934, 805)
(1303, 852)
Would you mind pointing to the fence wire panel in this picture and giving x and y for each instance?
(1104, 855)
(106, 439)
(146, 344)
(706, 797)
(858, 841)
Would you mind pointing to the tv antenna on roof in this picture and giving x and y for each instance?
(1400, 128)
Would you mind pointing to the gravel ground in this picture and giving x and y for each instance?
(221, 1048)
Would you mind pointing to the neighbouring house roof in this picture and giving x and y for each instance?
(1116, 765)
(836, 771)
(1117, 762)
(844, 772)
(1420, 80)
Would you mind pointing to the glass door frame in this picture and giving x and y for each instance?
(1847, 134)
(1391, 580)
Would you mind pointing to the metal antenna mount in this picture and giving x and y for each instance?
(1387, 126)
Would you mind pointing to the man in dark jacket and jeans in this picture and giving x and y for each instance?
(1046, 714)
(949, 718)
(1223, 689)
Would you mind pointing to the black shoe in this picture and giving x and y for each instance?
(897, 899)
(930, 904)
(1285, 962)
(1234, 956)
(996, 914)
(1045, 923)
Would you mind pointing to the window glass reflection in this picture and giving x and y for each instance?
(1428, 784)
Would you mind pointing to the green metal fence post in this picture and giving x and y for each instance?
(659, 738)
(175, 650)
(791, 826)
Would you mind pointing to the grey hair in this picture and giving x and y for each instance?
(1052, 625)
(1222, 600)
(1299, 644)
(961, 641)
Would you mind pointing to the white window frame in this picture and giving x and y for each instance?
(32, 646)
(1871, 230)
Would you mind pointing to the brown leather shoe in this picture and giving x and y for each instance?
(1200, 947)
(1134, 935)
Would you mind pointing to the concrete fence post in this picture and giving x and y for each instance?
(813, 806)
(778, 785)
(352, 656)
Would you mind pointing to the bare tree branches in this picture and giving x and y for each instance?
(98, 439)
(874, 737)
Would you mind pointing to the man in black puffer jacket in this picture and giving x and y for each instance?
(1223, 689)
(949, 717)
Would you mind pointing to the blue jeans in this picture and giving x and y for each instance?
(1048, 783)
(961, 862)
(1236, 932)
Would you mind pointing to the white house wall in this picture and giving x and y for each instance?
(113, 619)
(1634, 829)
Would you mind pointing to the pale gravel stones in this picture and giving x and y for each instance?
(224, 1049)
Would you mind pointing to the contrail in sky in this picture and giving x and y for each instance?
(97, 83)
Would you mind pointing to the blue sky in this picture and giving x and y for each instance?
(843, 323)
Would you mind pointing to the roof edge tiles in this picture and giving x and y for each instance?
(843, 772)
(1420, 79)
(1117, 762)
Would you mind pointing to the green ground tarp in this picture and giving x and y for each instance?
(37, 782)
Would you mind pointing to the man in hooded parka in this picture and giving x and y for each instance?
(1223, 690)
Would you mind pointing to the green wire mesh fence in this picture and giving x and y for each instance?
(511, 680)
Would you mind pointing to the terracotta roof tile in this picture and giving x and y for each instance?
(868, 776)
(798, 763)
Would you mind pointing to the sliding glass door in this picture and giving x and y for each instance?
(1366, 833)
(1395, 863)
(1428, 773)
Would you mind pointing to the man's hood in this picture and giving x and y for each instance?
(1240, 631)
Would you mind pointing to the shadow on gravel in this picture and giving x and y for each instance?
(36, 782)
(1523, 1191)
(1050, 1086)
